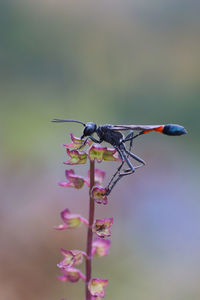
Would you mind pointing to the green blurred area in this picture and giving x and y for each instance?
(118, 62)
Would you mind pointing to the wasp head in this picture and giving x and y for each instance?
(89, 129)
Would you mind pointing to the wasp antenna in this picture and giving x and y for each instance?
(62, 121)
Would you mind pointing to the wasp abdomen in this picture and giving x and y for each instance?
(174, 129)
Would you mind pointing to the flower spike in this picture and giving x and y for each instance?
(95, 287)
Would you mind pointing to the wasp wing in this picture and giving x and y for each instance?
(169, 129)
(136, 127)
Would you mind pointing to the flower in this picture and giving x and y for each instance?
(102, 153)
(76, 142)
(111, 154)
(71, 274)
(98, 177)
(76, 157)
(100, 247)
(96, 287)
(99, 194)
(102, 227)
(74, 181)
(96, 152)
(70, 220)
(71, 258)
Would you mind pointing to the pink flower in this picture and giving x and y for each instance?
(111, 154)
(99, 194)
(102, 153)
(100, 247)
(70, 220)
(71, 274)
(96, 287)
(96, 152)
(74, 181)
(98, 177)
(76, 142)
(76, 157)
(71, 258)
(102, 227)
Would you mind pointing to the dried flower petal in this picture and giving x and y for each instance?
(96, 152)
(76, 157)
(71, 274)
(102, 227)
(99, 195)
(111, 154)
(74, 181)
(96, 287)
(70, 220)
(72, 258)
(100, 247)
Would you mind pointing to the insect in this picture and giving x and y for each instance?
(112, 135)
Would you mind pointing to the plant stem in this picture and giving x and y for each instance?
(88, 264)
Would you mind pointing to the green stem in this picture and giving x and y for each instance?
(88, 264)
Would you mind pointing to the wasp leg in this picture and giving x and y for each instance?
(132, 168)
(134, 156)
(85, 141)
(95, 140)
(109, 189)
(92, 138)
(118, 170)
(131, 142)
(129, 137)
(120, 175)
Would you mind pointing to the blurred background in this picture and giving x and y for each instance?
(118, 62)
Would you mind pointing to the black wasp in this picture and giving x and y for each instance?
(112, 135)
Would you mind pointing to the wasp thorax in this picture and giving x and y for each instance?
(90, 128)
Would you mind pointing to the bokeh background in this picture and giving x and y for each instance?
(108, 61)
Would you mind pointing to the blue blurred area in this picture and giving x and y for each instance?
(119, 62)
